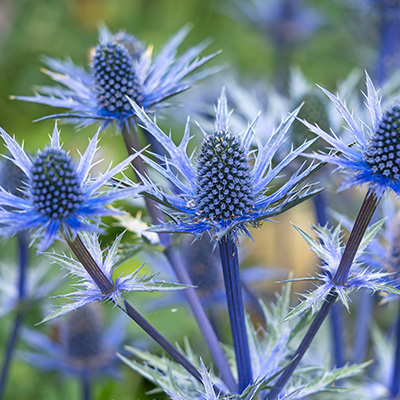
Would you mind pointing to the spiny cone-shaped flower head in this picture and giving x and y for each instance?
(224, 190)
(372, 155)
(383, 148)
(82, 337)
(58, 195)
(55, 187)
(313, 110)
(115, 79)
(120, 67)
(223, 183)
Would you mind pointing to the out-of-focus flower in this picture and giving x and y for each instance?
(285, 22)
(81, 346)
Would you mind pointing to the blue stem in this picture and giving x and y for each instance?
(364, 216)
(365, 302)
(233, 289)
(14, 334)
(395, 383)
(86, 388)
(305, 343)
(389, 47)
(207, 330)
(336, 317)
(106, 287)
(337, 334)
(320, 208)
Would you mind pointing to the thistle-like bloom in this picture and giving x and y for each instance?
(373, 157)
(58, 194)
(285, 22)
(329, 249)
(87, 290)
(226, 188)
(120, 68)
(82, 346)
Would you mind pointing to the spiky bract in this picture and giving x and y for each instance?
(227, 187)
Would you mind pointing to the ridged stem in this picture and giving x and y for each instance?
(86, 388)
(304, 345)
(336, 317)
(395, 379)
(131, 142)
(360, 226)
(83, 255)
(234, 297)
(364, 216)
(23, 253)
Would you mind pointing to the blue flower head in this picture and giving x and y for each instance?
(374, 155)
(81, 346)
(120, 67)
(58, 194)
(285, 22)
(226, 187)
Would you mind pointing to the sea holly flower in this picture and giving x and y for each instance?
(329, 249)
(58, 196)
(223, 194)
(374, 155)
(81, 346)
(120, 68)
(226, 188)
(87, 291)
(285, 22)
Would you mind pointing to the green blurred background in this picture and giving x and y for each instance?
(68, 28)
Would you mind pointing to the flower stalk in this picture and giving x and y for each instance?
(14, 334)
(86, 388)
(320, 208)
(230, 267)
(83, 255)
(132, 143)
(364, 216)
(395, 379)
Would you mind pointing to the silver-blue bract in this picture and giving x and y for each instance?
(120, 68)
(329, 249)
(87, 291)
(226, 188)
(58, 195)
(373, 156)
